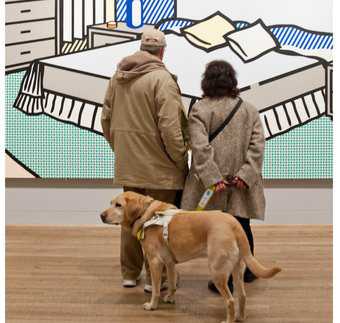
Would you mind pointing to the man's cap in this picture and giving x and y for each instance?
(153, 38)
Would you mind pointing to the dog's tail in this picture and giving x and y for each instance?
(252, 263)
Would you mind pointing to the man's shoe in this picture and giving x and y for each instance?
(213, 288)
(129, 283)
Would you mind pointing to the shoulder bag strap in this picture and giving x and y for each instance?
(226, 121)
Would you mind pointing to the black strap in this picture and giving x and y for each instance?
(226, 121)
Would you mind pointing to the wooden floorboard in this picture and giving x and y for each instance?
(72, 274)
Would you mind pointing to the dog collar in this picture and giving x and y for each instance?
(140, 234)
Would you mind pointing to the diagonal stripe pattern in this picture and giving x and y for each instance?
(153, 10)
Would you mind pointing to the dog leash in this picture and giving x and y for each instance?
(209, 192)
(207, 195)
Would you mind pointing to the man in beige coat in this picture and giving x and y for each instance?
(142, 120)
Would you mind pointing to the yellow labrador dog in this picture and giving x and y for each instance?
(191, 234)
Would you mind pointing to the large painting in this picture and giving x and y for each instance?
(56, 77)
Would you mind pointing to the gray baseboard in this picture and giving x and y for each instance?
(300, 202)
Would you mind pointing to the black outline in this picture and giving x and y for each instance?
(104, 11)
(208, 50)
(59, 20)
(305, 106)
(94, 116)
(28, 21)
(81, 110)
(315, 103)
(292, 72)
(23, 1)
(277, 119)
(257, 22)
(72, 22)
(287, 114)
(94, 11)
(21, 163)
(62, 106)
(53, 104)
(329, 90)
(30, 41)
(267, 126)
(71, 109)
(83, 18)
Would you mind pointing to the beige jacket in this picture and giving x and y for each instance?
(141, 119)
(237, 150)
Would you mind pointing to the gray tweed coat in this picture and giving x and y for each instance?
(237, 150)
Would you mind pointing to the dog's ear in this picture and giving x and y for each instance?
(132, 208)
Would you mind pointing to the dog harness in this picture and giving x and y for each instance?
(161, 218)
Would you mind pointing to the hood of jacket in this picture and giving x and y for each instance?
(137, 65)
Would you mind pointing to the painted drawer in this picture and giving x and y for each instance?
(30, 10)
(22, 53)
(21, 32)
(106, 39)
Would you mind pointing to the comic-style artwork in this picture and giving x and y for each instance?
(61, 55)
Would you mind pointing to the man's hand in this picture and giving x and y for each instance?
(239, 183)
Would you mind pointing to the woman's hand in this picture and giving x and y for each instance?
(220, 186)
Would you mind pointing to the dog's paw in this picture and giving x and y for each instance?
(170, 299)
(149, 307)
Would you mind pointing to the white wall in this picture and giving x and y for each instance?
(287, 203)
(310, 14)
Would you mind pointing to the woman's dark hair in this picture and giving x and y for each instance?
(219, 79)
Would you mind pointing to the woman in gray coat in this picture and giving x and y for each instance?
(232, 161)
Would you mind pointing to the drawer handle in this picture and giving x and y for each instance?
(106, 44)
(25, 11)
(26, 52)
(25, 31)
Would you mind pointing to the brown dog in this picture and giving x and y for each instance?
(192, 234)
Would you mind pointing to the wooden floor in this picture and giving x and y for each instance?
(71, 274)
